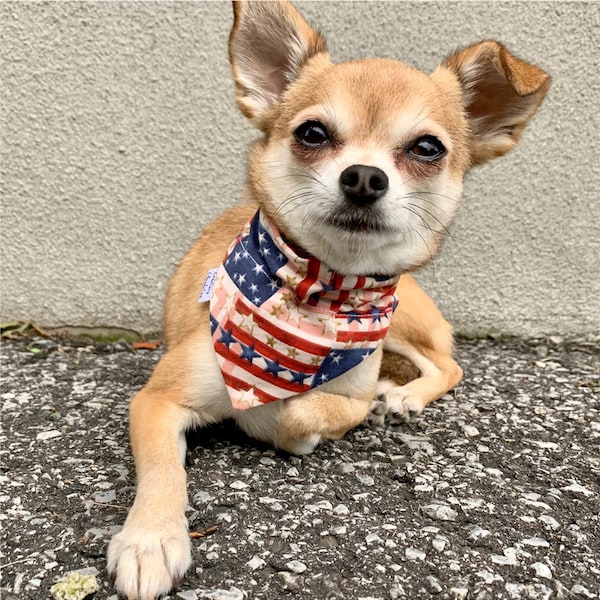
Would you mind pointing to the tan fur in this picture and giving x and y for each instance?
(476, 104)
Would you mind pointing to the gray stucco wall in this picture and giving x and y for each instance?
(120, 141)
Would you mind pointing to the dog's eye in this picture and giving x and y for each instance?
(427, 148)
(313, 134)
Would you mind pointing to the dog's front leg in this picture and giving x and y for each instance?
(439, 373)
(310, 418)
(420, 334)
(152, 552)
(330, 410)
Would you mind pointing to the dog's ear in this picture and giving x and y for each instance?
(500, 94)
(268, 46)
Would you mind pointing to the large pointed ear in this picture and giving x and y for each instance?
(269, 44)
(500, 93)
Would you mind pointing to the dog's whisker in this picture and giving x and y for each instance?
(415, 208)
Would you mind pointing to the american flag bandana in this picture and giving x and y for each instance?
(283, 322)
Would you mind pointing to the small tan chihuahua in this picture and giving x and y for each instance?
(278, 316)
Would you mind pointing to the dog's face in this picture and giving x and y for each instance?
(362, 163)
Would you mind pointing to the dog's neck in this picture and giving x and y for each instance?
(273, 259)
(283, 323)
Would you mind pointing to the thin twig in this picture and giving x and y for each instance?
(109, 505)
(195, 535)
(18, 562)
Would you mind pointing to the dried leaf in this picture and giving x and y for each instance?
(150, 345)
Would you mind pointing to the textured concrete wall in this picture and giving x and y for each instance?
(120, 141)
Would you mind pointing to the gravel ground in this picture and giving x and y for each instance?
(494, 492)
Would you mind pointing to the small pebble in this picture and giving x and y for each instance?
(373, 539)
(232, 593)
(202, 497)
(508, 559)
(542, 570)
(433, 584)
(439, 512)
(476, 533)
(239, 485)
(518, 591)
(295, 566)
(365, 479)
(459, 593)
(48, 435)
(577, 490)
(414, 554)
(345, 468)
(341, 510)
(105, 497)
(287, 581)
(439, 543)
(470, 431)
(549, 521)
(581, 591)
(256, 563)
(536, 542)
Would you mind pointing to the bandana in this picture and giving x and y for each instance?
(283, 322)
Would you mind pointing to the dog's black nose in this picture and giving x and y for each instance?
(362, 184)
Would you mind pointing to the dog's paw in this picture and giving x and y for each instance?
(147, 559)
(377, 412)
(298, 446)
(403, 404)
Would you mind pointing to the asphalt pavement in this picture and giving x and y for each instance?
(492, 493)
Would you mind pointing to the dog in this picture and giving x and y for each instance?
(352, 184)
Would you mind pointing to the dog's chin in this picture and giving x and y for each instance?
(357, 242)
(354, 246)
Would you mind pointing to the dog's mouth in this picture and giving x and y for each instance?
(357, 222)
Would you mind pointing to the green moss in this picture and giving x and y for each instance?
(15, 329)
(99, 334)
(75, 586)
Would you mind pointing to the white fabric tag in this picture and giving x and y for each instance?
(208, 286)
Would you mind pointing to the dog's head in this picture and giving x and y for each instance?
(361, 163)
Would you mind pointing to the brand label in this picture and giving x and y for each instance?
(209, 284)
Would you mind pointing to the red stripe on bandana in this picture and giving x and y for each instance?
(286, 337)
(361, 336)
(268, 351)
(259, 372)
(312, 276)
(239, 384)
